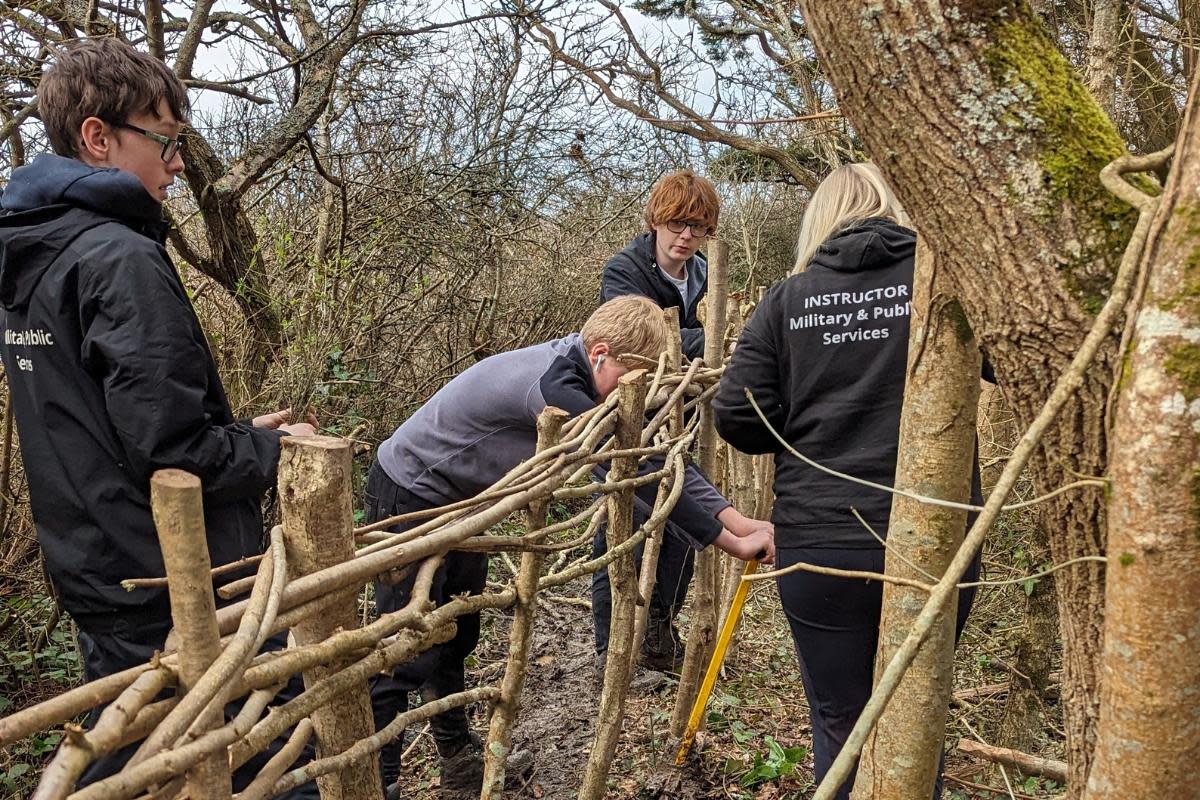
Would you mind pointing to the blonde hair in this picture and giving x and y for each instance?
(627, 324)
(848, 195)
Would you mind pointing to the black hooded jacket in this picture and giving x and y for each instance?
(635, 270)
(824, 355)
(112, 379)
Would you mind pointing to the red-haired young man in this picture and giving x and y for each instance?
(665, 265)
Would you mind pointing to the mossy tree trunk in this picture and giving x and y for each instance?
(993, 145)
(1148, 741)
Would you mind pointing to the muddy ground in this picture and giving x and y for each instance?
(757, 713)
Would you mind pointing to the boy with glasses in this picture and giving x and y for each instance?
(109, 372)
(664, 265)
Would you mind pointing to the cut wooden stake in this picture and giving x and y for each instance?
(631, 409)
(315, 500)
(499, 741)
(702, 635)
(178, 507)
(902, 755)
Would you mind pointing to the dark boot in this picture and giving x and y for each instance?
(462, 766)
(389, 755)
(643, 680)
(662, 649)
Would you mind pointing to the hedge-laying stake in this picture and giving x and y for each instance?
(714, 664)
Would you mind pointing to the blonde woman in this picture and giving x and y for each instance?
(824, 356)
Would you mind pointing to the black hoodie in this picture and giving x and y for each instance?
(824, 355)
(635, 270)
(112, 379)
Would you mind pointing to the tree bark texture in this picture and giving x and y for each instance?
(937, 449)
(1148, 742)
(631, 407)
(1189, 29)
(504, 716)
(177, 503)
(702, 636)
(994, 145)
(318, 528)
(1103, 44)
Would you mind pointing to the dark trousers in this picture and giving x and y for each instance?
(125, 646)
(672, 576)
(439, 671)
(835, 627)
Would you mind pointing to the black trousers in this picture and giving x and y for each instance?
(835, 627)
(439, 671)
(125, 646)
(672, 576)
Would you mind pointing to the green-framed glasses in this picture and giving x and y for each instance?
(169, 146)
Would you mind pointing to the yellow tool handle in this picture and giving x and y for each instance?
(714, 664)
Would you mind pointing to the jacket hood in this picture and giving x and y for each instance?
(577, 353)
(870, 244)
(57, 180)
(49, 203)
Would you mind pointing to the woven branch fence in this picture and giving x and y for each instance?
(317, 564)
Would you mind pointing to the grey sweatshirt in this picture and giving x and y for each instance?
(484, 422)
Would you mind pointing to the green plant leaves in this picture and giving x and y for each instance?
(777, 762)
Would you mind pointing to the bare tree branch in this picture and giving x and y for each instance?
(12, 124)
(154, 29)
(191, 38)
(225, 88)
(695, 126)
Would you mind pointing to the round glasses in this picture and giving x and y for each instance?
(699, 229)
